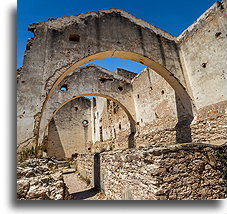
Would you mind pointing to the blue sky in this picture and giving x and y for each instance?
(172, 16)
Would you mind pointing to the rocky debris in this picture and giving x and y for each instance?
(41, 179)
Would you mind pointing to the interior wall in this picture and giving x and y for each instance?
(67, 134)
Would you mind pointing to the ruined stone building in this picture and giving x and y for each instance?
(159, 134)
(84, 125)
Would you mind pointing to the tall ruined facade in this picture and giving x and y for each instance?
(160, 134)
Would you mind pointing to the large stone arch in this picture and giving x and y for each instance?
(63, 44)
(91, 80)
(131, 140)
(130, 117)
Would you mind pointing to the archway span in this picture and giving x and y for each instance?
(161, 70)
(87, 80)
(99, 95)
(131, 141)
(110, 33)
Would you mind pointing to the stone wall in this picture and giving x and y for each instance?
(202, 47)
(111, 126)
(210, 124)
(67, 134)
(186, 171)
(161, 117)
(85, 167)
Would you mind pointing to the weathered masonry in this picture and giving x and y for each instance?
(161, 118)
(174, 111)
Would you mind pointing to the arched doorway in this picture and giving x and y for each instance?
(87, 125)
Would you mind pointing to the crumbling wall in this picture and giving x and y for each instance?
(116, 124)
(61, 45)
(69, 131)
(210, 124)
(203, 46)
(111, 126)
(180, 172)
(161, 117)
(30, 88)
(85, 167)
(203, 50)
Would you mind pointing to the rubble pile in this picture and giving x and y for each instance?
(41, 179)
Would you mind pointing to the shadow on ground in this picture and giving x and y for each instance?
(84, 194)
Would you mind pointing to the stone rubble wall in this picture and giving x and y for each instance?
(156, 138)
(174, 172)
(84, 166)
(180, 172)
(121, 142)
(210, 124)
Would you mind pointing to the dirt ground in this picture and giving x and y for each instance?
(79, 190)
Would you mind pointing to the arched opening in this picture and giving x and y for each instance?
(167, 75)
(63, 129)
(96, 124)
(99, 95)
